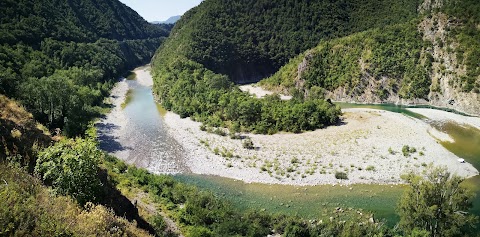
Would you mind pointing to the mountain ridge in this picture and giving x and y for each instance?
(442, 74)
(82, 45)
(170, 20)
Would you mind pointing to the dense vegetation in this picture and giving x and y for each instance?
(200, 213)
(30, 22)
(27, 208)
(396, 59)
(211, 98)
(70, 166)
(59, 58)
(248, 40)
(467, 12)
(436, 205)
(394, 52)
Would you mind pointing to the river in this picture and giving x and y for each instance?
(134, 131)
(138, 135)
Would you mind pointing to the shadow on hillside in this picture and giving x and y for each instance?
(29, 136)
(121, 205)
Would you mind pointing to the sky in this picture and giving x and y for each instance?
(160, 10)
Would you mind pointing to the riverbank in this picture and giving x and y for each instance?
(367, 147)
(133, 131)
(444, 116)
(259, 92)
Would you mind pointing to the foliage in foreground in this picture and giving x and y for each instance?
(71, 168)
(437, 205)
(201, 213)
(29, 209)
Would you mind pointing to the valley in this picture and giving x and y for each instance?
(368, 145)
(240, 118)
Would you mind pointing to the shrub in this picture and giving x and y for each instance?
(70, 166)
(341, 175)
(248, 144)
(158, 224)
(406, 150)
(294, 160)
(391, 151)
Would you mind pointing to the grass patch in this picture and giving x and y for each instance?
(128, 99)
(131, 76)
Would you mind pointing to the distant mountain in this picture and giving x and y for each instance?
(171, 20)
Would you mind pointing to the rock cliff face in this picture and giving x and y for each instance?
(445, 90)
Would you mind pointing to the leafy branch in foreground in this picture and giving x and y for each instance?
(437, 205)
(71, 167)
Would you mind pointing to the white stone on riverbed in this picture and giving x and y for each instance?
(445, 116)
(362, 142)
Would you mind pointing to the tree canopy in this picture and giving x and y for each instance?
(437, 205)
(60, 58)
(71, 167)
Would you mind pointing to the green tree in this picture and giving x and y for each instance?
(71, 167)
(438, 204)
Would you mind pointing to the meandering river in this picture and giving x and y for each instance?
(138, 135)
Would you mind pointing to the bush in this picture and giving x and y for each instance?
(341, 175)
(71, 166)
(248, 144)
(158, 224)
(391, 151)
(406, 150)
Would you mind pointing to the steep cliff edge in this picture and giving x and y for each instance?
(432, 60)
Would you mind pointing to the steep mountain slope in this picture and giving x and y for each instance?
(19, 134)
(170, 20)
(248, 40)
(73, 20)
(58, 58)
(224, 41)
(432, 60)
(30, 209)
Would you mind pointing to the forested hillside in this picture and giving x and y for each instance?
(220, 42)
(59, 58)
(75, 20)
(248, 40)
(433, 59)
